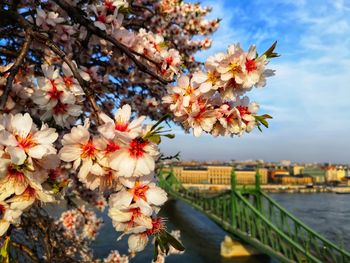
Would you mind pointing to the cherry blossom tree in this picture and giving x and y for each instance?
(78, 81)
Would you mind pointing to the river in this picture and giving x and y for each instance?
(327, 213)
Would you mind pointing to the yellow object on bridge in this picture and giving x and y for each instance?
(233, 248)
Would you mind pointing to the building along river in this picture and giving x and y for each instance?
(327, 213)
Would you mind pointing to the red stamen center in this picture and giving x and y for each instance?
(109, 5)
(60, 108)
(120, 126)
(102, 19)
(2, 210)
(54, 93)
(54, 173)
(68, 220)
(26, 143)
(157, 226)
(243, 110)
(69, 81)
(88, 150)
(29, 192)
(250, 65)
(15, 175)
(136, 149)
(139, 191)
(169, 60)
(112, 147)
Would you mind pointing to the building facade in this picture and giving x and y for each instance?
(318, 174)
(294, 180)
(217, 175)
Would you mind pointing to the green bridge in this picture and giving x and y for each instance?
(252, 216)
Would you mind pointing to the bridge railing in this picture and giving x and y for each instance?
(258, 229)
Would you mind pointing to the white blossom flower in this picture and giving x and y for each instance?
(8, 216)
(136, 157)
(47, 20)
(121, 125)
(142, 191)
(23, 140)
(79, 147)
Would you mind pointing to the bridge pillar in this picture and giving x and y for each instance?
(257, 179)
(233, 198)
(233, 248)
(258, 188)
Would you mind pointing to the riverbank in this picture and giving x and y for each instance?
(275, 188)
(304, 189)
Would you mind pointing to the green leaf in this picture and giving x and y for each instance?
(174, 242)
(259, 128)
(266, 116)
(163, 44)
(170, 136)
(156, 250)
(270, 52)
(55, 188)
(4, 252)
(125, 10)
(155, 138)
(161, 244)
(264, 122)
(160, 121)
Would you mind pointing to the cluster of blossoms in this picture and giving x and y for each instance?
(120, 158)
(108, 16)
(57, 96)
(80, 223)
(212, 100)
(192, 19)
(115, 257)
(26, 156)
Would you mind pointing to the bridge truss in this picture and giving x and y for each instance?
(255, 218)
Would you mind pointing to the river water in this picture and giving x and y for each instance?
(327, 213)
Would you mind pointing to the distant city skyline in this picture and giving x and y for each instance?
(309, 97)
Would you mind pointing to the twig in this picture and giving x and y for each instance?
(14, 69)
(143, 7)
(26, 249)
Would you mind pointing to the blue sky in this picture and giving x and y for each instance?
(309, 97)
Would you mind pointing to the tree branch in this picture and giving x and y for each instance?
(80, 18)
(14, 69)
